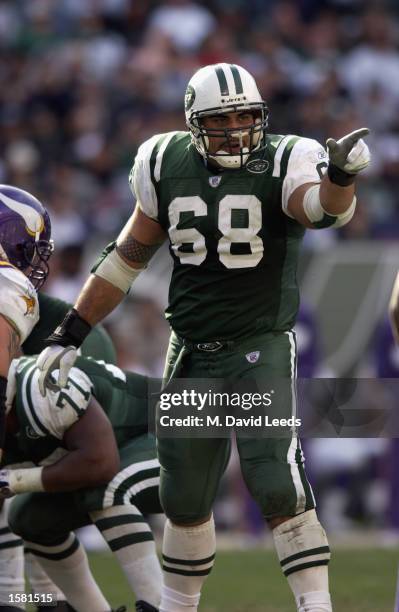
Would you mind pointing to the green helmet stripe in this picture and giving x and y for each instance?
(237, 79)
(224, 88)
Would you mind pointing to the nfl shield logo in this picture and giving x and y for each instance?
(252, 357)
(214, 181)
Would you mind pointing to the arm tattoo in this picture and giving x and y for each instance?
(136, 251)
(13, 344)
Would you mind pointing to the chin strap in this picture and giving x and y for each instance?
(225, 160)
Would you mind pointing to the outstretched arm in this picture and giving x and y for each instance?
(112, 277)
(105, 289)
(331, 203)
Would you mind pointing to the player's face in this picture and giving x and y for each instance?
(231, 141)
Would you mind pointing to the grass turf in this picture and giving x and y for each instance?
(250, 581)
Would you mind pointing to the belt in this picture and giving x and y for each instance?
(207, 347)
(186, 347)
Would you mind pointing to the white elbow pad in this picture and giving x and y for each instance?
(116, 271)
(318, 216)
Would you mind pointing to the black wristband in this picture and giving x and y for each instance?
(340, 177)
(73, 330)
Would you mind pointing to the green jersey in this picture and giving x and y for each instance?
(98, 344)
(43, 421)
(233, 243)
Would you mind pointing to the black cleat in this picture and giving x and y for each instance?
(143, 606)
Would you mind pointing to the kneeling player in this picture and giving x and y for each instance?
(95, 463)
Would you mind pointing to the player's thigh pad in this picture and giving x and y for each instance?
(190, 468)
(274, 473)
(45, 518)
(273, 468)
(190, 473)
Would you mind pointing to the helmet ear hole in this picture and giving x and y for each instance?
(28, 250)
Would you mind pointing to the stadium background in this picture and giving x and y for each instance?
(82, 84)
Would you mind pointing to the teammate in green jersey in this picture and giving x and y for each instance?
(95, 463)
(234, 202)
(99, 346)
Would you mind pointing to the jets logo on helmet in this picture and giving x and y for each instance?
(221, 89)
(25, 232)
(189, 98)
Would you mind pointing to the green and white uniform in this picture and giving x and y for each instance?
(235, 252)
(34, 316)
(234, 247)
(43, 423)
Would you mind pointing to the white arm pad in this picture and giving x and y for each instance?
(117, 272)
(316, 213)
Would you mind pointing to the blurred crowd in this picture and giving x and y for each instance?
(82, 84)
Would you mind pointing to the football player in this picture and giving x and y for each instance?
(94, 462)
(234, 201)
(25, 248)
(99, 346)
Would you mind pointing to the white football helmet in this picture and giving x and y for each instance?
(225, 88)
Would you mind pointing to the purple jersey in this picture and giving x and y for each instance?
(307, 341)
(386, 352)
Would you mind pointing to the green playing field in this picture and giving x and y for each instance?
(250, 581)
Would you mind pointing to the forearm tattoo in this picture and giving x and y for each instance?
(136, 251)
(14, 349)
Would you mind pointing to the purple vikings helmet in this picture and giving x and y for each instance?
(25, 231)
